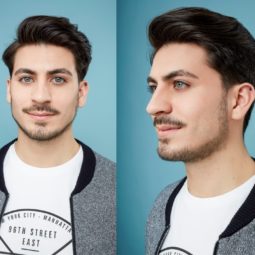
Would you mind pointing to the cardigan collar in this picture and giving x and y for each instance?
(243, 216)
(84, 178)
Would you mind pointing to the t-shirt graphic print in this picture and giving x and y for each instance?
(30, 231)
(37, 216)
(174, 251)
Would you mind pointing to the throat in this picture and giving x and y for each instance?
(210, 179)
(46, 154)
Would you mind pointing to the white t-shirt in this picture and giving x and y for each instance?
(37, 217)
(196, 223)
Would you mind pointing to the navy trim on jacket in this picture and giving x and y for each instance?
(85, 176)
(243, 216)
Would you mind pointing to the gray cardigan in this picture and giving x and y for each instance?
(237, 239)
(93, 203)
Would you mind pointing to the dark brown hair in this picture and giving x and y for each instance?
(229, 45)
(51, 30)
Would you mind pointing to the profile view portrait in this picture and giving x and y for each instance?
(202, 93)
(57, 195)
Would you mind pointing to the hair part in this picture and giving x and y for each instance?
(52, 30)
(229, 45)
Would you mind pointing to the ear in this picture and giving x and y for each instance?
(83, 92)
(242, 98)
(8, 91)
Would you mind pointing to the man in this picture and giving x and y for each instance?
(57, 195)
(202, 82)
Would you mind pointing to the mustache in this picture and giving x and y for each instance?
(40, 108)
(168, 120)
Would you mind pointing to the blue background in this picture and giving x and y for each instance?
(96, 122)
(141, 174)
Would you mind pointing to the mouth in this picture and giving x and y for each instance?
(40, 115)
(165, 129)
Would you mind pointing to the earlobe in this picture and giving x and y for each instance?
(8, 91)
(83, 92)
(244, 95)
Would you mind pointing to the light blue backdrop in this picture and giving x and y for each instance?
(141, 174)
(96, 122)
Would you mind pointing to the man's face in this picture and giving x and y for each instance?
(44, 91)
(188, 104)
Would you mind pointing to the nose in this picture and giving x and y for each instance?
(41, 92)
(160, 102)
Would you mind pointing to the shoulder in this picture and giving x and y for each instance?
(105, 173)
(103, 168)
(3, 152)
(163, 196)
(5, 148)
(98, 160)
(161, 200)
(156, 221)
(104, 163)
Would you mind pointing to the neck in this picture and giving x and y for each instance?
(46, 153)
(223, 171)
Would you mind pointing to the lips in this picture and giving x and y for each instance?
(40, 115)
(165, 130)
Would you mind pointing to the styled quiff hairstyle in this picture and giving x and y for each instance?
(229, 45)
(52, 30)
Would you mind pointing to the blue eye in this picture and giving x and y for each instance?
(151, 88)
(26, 80)
(58, 80)
(180, 84)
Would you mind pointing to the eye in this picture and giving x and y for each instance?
(180, 84)
(26, 80)
(58, 80)
(151, 88)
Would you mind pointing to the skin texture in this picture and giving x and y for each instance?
(44, 93)
(197, 121)
(202, 128)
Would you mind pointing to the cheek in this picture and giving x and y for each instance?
(19, 101)
(201, 103)
(65, 97)
(66, 104)
(201, 115)
(20, 97)
(193, 108)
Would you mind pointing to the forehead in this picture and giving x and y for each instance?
(180, 56)
(43, 57)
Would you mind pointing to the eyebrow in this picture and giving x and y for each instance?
(55, 71)
(173, 74)
(24, 70)
(60, 70)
